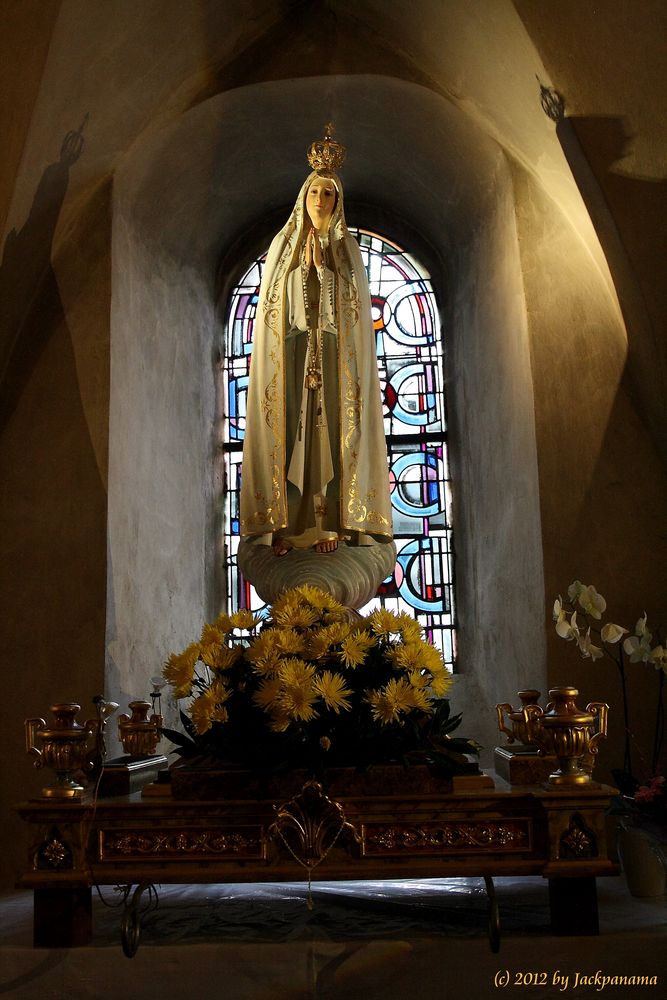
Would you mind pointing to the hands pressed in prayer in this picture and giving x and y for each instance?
(313, 249)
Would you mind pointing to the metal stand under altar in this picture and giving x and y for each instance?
(391, 823)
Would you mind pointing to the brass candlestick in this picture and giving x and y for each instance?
(518, 733)
(64, 748)
(567, 732)
(139, 734)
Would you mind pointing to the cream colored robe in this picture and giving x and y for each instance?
(296, 461)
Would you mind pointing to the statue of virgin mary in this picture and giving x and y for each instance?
(315, 468)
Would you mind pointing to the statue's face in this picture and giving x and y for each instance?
(320, 202)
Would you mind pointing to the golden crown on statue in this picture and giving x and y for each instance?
(326, 155)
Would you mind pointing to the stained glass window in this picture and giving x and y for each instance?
(410, 364)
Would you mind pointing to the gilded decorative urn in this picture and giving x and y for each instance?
(139, 734)
(567, 732)
(518, 729)
(64, 747)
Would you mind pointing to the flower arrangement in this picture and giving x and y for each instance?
(577, 620)
(315, 685)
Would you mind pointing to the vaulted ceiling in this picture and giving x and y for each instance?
(134, 70)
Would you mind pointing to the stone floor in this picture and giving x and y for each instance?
(374, 941)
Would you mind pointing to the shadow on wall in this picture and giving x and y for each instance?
(629, 216)
(52, 502)
(28, 289)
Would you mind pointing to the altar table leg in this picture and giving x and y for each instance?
(62, 918)
(574, 905)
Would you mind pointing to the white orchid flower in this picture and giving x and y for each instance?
(558, 609)
(658, 658)
(640, 628)
(574, 590)
(612, 633)
(586, 647)
(592, 602)
(638, 649)
(567, 630)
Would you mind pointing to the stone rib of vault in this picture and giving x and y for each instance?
(351, 574)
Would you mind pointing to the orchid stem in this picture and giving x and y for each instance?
(659, 726)
(627, 761)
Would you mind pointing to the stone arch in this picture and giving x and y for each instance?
(182, 198)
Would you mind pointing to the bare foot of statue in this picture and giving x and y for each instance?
(280, 547)
(326, 545)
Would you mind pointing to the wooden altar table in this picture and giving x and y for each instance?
(469, 830)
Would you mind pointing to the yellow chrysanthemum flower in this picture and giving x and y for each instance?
(269, 665)
(264, 645)
(244, 619)
(317, 645)
(441, 683)
(400, 695)
(200, 713)
(223, 623)
(295, 616)
(382, 710)
(421, 699)
(268, 693)
(209, 707)
(179, 670)
(220, 657)
(317, 598)
(297, 700)
(333, 690)
(419, 679)
(397, 698)
(211, 634)
(289, 642)
(431, 658)
(284, 606)
(313, 595)
(337, 632)
(383, 622)
(354, 648)
(336, 614)
(287, 597)
(409, 656)
(409, 628)
(296, 671)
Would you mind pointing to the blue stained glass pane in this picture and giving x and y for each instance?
(414, 400)
(236, 398)
(416, 484)
(411, 369)
(423, 583)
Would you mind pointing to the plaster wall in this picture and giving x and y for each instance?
(52, 565)
(24, 45)
(160, 532)
(603, 489)
(53, 361)
(128, 67)
(498, 540)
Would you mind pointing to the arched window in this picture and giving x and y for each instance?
(410, 363)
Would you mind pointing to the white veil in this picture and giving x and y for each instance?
(364, 491)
